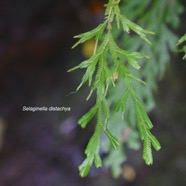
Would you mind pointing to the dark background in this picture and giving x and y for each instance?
(45, 148)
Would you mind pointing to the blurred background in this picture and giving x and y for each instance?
(45, 148)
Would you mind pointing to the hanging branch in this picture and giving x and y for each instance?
(102, 74)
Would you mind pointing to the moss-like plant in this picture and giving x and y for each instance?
(104, 68)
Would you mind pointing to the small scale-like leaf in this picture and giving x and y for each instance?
(136, 28)
(147, 152)
(72, 69)
(132, 77)
(114, 141)
(134, 63)
(89, 95)
(98, 161)
(84, 170)
(125, 25)
(155, 142)
(87, 117)
(100, 32)
(122, 102)
(106, 109)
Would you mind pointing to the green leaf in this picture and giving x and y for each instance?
(122, 103)
(93, 144)
(131, 57)
(133, 62)
(144, 117)
(92, 60)
(98, 161)
(91, 152)
(136, 28)
(141, 114)
(155, 142)
(132, 77)
(72, 69)
(88, 35)
(100, 32)
(181, 40)
(106, 109)
(147, 152)
(84, 169)
(113, 48)
(85, 119)
(114, 141)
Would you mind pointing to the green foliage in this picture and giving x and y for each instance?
(144, 125)
(118, 156)
(161, 17)
(108, 64)
(180, 41)
(92, 153)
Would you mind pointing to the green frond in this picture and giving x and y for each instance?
(106, 109)
(113, 140)
(84, 168)
(140, 112)
(109, 64)
(113, 47)
(147, 151)
(127, 24)
(122, 102)
(95, 33)
(92, 152)
(85, 119)
(154, 142)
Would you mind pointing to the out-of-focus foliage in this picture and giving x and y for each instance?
(181, 40)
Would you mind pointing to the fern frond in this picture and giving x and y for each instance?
(92, 153)
(127, 25)
(85, 119)
(109, 63)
